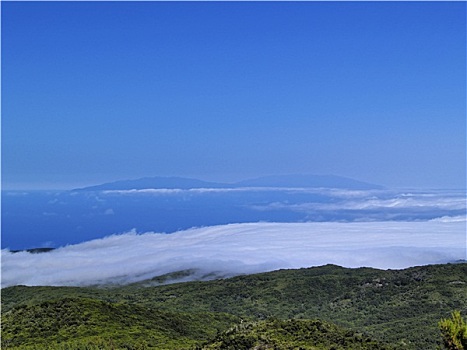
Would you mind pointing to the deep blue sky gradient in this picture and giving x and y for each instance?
(101, 91)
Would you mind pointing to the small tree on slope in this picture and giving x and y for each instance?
(454, 332)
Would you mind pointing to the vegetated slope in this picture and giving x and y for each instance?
(76, 323)
(291, 334)
(398, 306)
(401, 307)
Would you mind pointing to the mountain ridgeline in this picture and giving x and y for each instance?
(302, 181)
(327, 307)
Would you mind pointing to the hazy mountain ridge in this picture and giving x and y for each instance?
(398, 307)
(318, 181)
(324, 181)
(154, 182)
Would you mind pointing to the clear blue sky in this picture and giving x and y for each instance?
(101, 91)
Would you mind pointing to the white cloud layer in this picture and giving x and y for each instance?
(360, 200)
(240, 248)
(382, 204)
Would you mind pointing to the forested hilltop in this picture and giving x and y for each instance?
(326, 307)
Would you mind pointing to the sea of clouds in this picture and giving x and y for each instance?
(55, 219)
(234, 249)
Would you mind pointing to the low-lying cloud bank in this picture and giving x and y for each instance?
(240, 248)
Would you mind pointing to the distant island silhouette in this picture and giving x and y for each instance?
(307, 181)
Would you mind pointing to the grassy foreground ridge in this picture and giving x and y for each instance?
(327, 307)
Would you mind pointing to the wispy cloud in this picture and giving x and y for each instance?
(382, 204)
(330, 199)
(459, 218)
(239, 248)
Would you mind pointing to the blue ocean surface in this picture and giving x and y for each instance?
(36, 219)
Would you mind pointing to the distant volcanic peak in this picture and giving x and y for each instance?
(308, 181)
(301, 180)
(155, 182)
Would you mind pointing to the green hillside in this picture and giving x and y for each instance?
(75, 322)
(292, 334)
(91, 324)
(398, 307)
